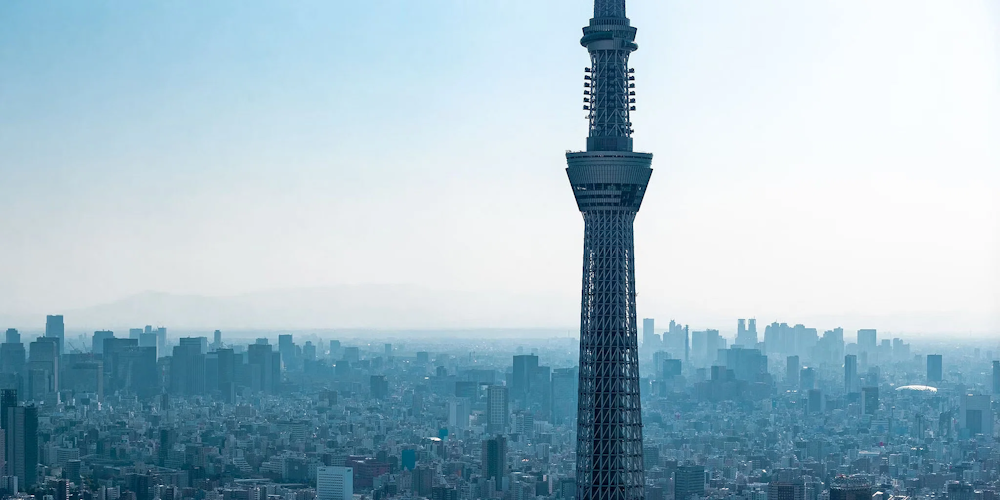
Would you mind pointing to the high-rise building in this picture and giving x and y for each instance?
(815, 401)
(935, 368)
(792, 371)
(497, 409)
(867, 340)
(689, 480)
(378, 386)
(525, 366)
(12, 359)
(43, 367)
(746, 337)
(609, 181)
(334, 483)
(260, 359)
(21, 442)
(217, 339)
(8, 399)
(996, 377)
(807, 378)
(98, 340)
(187, 367)
(851, 380)
(869, 400)
(650, 340)
(975, 415)
(459, 411)
(12, 336)
(55, 328)
(495, 458)
(564, 389)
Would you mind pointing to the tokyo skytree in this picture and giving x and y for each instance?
(609, 181)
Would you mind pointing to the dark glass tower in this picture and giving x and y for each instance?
(609, 181)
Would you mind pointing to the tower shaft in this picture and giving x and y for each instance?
(609, 182)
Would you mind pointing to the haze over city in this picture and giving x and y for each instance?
(819, 162)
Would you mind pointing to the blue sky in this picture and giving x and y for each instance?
(812, 159)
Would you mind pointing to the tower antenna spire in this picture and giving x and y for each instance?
(609, 8)
(609, 85)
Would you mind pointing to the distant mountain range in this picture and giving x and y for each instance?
(335, 307)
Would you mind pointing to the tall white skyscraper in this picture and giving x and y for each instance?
(334, 483)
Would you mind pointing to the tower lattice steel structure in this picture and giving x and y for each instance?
(609, 181)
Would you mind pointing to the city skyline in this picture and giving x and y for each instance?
(319, 250)
(832, 196)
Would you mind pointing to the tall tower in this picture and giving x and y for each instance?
(609, 181)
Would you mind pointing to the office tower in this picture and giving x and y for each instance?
(671, 368)
(55, 328)
(459, 411)
(850, 488)
(935, 369)
(161, 340)
(353, 355)
(564, 387)
(43, 367)
(21, 442)
(689, 480)
(869, 400)
(975, 415)
(132, 368)
(675, 340)
(12, 336)
(115, 373)
(148, 340)
(746, 337)
(82, 374)
(609, 181)
(497, 409)
(260, 359)
(133, 333)
(286, 347)
(12, 359)
(650, 340)
(217, 339)
(187, 367)
(8, 399)
(851, 381)
(97, 346)
(867, 340)
(807, 378)
(524, 369)
(815, 401)
(334, 483)
(388, 350)
(792, 371)
(378, 386)
(495, 459)
(309, 351)
(996, 377)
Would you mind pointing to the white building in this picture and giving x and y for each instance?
(334, 483)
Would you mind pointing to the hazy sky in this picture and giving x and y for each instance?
(811, 159)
